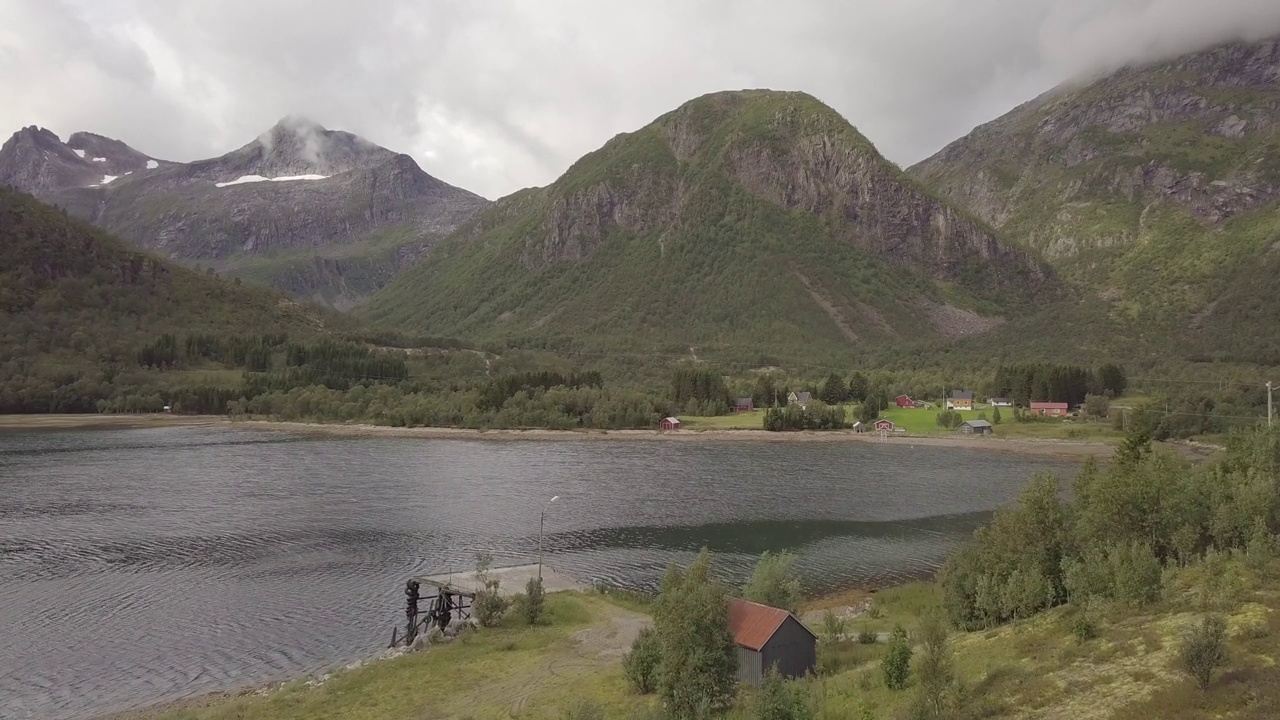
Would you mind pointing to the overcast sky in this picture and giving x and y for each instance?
(496, 95)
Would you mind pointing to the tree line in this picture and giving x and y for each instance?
(499, 390)
(1045, 382)
(1123, 526)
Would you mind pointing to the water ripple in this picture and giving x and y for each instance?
(145, 565)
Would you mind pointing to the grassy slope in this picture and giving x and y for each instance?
(1028, 669)
(51, 262)
(732, 275)
(73, 295)
(339, 276)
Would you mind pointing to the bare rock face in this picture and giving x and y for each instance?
(880, 211)
(313, 194)
(1200, 131)
(805, 158)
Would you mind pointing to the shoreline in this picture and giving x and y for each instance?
(1022, 446)
(853, 599)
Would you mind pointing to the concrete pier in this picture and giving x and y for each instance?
(511, 580)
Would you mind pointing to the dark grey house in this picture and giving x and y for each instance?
(770, 637)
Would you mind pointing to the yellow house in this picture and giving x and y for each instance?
(960, 400)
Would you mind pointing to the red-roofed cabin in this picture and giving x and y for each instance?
(1050, 409)
(904, 401)
(669, 424)
(770, 637)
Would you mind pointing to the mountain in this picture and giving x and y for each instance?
(322, 214)
(37, 161)
(1155, 187)
(76, 304)
(755, 225)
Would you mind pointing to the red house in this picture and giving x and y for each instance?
(744, 404)
(904, 401)
(1049, 409)
(669, 424)
(884, 425)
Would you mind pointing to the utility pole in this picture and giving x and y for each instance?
(1269, 413)
(542, 520)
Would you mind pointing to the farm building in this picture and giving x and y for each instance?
(1000, 402)
(669, 423)
(884, 425)
(744, 404)
(858, 427)
(976, 427)
(770, 637)
(1049, 409)
(802, 399)
(960, 400)
(904, 401)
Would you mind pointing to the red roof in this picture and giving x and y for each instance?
(752, 624)
(1048, 406)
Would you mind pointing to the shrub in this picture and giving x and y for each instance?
(641, 664)
(937, 697)
(1261, 547)
(534, 600)
(833, 626)
(1203, 649)
(778, 699)
(488, 605)
(774, 582)
(1083, 627)
(897, 662)
(867, 636)
(1086, 577)
(1135, 572)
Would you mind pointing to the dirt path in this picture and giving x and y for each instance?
(603, 644)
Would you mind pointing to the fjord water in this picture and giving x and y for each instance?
(144, 565)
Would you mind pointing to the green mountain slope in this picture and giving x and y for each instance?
(755, 225)
(76, 304)
(1155, 187)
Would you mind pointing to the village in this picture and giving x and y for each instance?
(960, 412)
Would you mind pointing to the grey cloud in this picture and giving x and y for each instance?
(495, 96)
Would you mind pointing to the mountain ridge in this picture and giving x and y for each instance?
(713, 191)
(1155, 187)
(297, 193)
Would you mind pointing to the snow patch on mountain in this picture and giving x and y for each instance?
(79, 152)
(99, 159)
(258, 178)
(152, 164)
(108, 178)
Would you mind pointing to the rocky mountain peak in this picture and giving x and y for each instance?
(35, 160)
(297, 145)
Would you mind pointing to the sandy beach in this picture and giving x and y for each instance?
(1069, 448)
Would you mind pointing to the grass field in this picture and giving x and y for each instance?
(923, 422)
(504, 672)
(1034, 668)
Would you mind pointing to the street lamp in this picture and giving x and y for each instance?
(542, 520)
